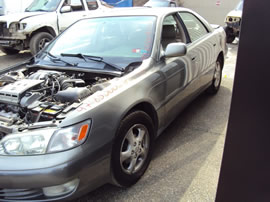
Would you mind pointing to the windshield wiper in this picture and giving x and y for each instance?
(54, 58)
(93, 58)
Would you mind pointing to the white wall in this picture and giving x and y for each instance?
(213, 13)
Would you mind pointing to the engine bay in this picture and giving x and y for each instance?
(29, 96)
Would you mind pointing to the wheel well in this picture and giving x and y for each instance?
(147, 108)
(45, 29)
(221, 58)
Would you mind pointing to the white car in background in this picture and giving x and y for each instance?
(233, 21)
(42, 21)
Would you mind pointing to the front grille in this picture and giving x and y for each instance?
(4, 32)
(21, 194)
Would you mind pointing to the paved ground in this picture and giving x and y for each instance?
(187, 156)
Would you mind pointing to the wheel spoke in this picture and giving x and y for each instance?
(130, 137)
(132, 165)
(143, 152)
(217, 75)
(141, 134)
(125, 155)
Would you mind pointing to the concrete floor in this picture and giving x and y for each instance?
(187, 156)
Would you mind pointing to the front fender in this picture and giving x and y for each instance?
(37, 22)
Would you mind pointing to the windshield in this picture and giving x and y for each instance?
(1, 7)
(239, 7)
(43, 5)
(114, 39)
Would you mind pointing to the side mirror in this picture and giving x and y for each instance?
(65, 9)
(175, 50)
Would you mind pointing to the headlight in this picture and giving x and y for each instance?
(44, 141)
(70, 137)
(28, 143)
(14, 27)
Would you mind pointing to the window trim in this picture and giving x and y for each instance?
(206, 28)
(176, 17)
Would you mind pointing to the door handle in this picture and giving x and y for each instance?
(214, 44)
(193, 59)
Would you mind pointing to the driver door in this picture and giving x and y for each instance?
(78, 11)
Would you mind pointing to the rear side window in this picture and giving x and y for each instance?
(172, 4)
(92, 4)
(77, 5)
(195, 28)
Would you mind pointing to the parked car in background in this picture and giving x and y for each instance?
(233, 22)
(41, 22)
(161, 3)
(13, 6)
(87, 109)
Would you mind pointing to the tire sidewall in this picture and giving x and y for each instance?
(216, 88)
(35, 40)
(229, 35)
(230, 38)
(212, 88)
(138, 117)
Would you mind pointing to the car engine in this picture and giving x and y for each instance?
(42, 95)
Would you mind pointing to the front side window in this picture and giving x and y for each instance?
(114, 38)
(43, 5)
(171, 31)
(195, 28)
(76, 5)
(172, 4)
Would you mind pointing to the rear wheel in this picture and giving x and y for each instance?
(213, 89)
(9, 51)
(132, 148)
(230, 37)
(38, 41)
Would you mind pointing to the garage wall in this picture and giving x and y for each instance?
(214, 11)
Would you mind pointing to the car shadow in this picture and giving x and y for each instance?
(180, 152)
(8, 60)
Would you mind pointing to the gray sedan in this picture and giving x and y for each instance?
(86, 110)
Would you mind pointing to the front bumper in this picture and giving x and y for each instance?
(17, 40)
(24, 177)
(234, 25)
(10, 43)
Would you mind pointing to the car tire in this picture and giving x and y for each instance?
(38, 41)
(9, 51)
(230, 37)
(132, 148)
(215, 85)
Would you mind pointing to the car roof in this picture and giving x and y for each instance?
(142, 11)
